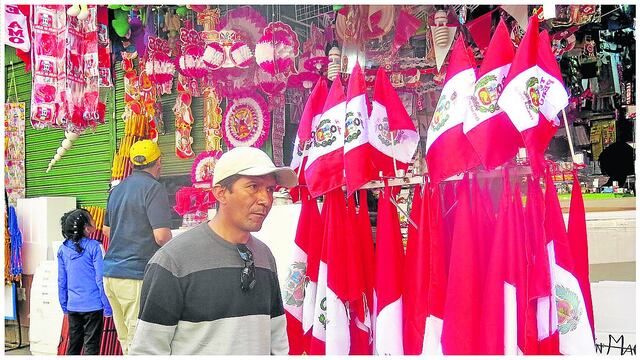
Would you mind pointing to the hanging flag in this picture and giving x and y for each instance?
(416, 287)
(294, 292)
(362, 324)
(486, 121)
(389, 116)
(437, 276)
(538, 338)
(311, 113)
(358, 153)
(344, 273)
(448, 151)
(534, 93)
(388, 279)
(318, 339)
(352, 286)
(406, 26)
(504, 297)
(314, 254)
(480, 30)
(577, 233)
(324, 170)
(568, 310)
(461, 322)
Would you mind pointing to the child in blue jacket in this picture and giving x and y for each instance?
(80, 288)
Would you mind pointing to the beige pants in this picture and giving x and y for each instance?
(124, 298)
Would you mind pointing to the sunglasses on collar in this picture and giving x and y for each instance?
(248, 274)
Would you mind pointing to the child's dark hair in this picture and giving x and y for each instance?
(73, 224)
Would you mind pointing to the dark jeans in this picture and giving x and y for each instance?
(85, 328)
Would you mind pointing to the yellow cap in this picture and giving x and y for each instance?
(147, 149)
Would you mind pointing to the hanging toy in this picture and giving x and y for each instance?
(67, 144)
(184, 121)
(440, 32)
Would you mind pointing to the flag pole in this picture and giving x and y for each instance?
(566, 127)
(304, 153)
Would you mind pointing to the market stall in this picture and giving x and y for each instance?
(402, 121)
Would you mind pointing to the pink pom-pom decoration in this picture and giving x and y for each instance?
(213, 56)
(240, 54)
(190, 63)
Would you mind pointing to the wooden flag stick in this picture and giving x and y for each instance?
(393, 153)
(566, 127)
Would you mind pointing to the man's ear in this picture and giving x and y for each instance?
(220, 193)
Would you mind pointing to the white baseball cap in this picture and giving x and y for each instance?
(250, 161)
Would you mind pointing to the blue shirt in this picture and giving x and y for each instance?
(80, 277)
(136, 206)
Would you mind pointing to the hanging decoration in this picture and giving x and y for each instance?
(104, 48)
(67, 144)
(16, 33)
(48, 25)
(203, 167)
(246, 122)
(172, 28)
(190, 62)
(212, 120)
(14, 151)
(158, 65)
(184, 121)
(442, 36)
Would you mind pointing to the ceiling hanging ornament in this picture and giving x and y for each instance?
(190, 61)
(159, 66)
(246, 122)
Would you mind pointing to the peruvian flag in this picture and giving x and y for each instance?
(504, 299)
(324, 170)
(311, 113)
(461, 323)
(389, 116)
(534, 93)
(362, 324)
(448, 151)
(314, 248)
(416, 287)
(318, 339)
(539, 338)
(358, 153)
(437, 292)
(486, 121)
(577, 232)
(569, 313)
(294, 292)
(388, 279)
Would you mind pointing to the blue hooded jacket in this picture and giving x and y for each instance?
(80, 277)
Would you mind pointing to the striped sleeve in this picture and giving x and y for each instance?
(161, 304)
(279, 339)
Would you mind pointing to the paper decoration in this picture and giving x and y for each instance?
(14, 151)
(16, 33)
(203, 168)
(184, 122)
(480, 30)
(212, 120)
(104, 48)
(159, 66)
(246, 122)
(441, 51)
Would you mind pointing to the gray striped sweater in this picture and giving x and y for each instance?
(192, 302)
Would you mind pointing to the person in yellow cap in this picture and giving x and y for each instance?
(137, 224)
(213, 290)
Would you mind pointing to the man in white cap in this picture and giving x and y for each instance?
(214, 290)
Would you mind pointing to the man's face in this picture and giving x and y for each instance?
(249, 201)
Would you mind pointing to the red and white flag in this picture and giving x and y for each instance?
(388, 281)
(362, 323)
(504, 296)
(571, 316)
(577, 232)
(416, 287)
(294, 292)
(324, 170)
(461, 323)
(437, 292)
(314, 254)
(534, 93)
(389, 116)
(343, 270)
(448, 151)
(318, 339)
(539, 338)
(312, 110)
(358, 153)
(16, 31)
(486, 121)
